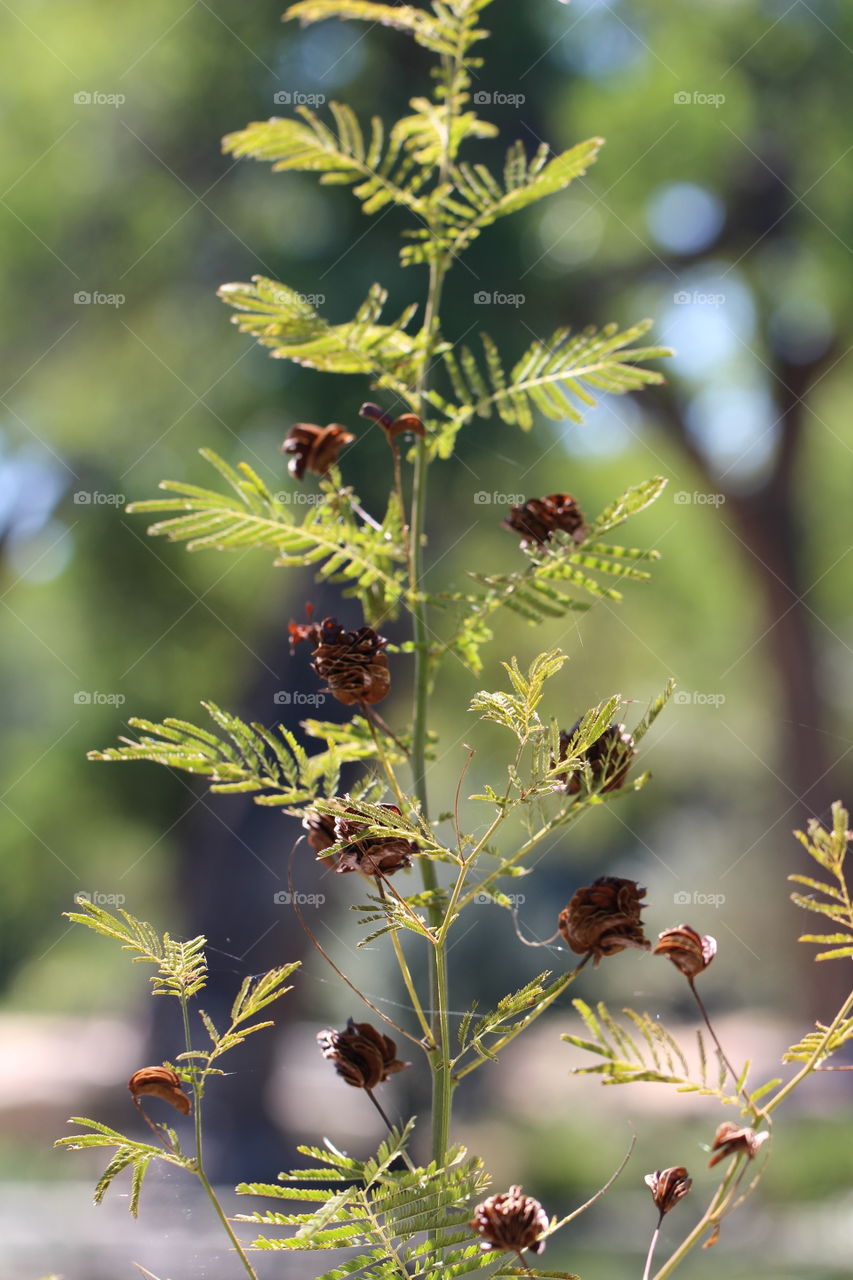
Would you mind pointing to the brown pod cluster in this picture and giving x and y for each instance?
(371, 855)
(321, 833)
(538, 518)
(361, 1054)
(689, 951)
(609, 759)
(351, 662)
(314, 448)
(510, 1221)
(603, 918)
(668, 1186)
(159, 1082)
(731, 1140)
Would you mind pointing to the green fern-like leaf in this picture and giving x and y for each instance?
(181, 966)
(828, 848)
(427, 29)
(242, 757)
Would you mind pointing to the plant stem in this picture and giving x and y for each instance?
(720, 1050)
(648, 1268)
(809, 1066)
(199, 1167)
(404, 1154)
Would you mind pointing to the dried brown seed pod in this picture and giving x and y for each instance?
(603, 918)
(321, 833)
(159, 1082)
(393, 427)
(351, 662)
(732, 1140)
(609, 758)
(510, 1221)
(668, 1186)
(314, 448)
(688, 950)
(372, 855)
(538, 518)
(363, 1056)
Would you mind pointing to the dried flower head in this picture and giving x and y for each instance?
(314, 448)
(609, 758)
(510, 1221)
(372, 855)
(668, 1186)
(393, 427)
(731, 1140)
(361, 1054)
(688, 950)
(538, 518)
(351, 662)
(321, 833)
(603, 918)
(159, 1082)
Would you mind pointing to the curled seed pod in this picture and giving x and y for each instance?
(363, 1056)
(732, 1140)
(372, 855)
(668, 1186)
(314, 448)
(159, 1082)
(393, 427)
(538, 518)
(321, 833)
(609, 758)
(510, 1221)
(351, 662)
(603, 918)
(688, 950)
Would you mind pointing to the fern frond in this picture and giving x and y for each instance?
(656, 1058)
(820, 1041)
(136, 1156)
(271, 764)
(284, 321)
(829, 851)
(330, 537)
(552, 376)
(424, 27)
(181, 966)
(517, 711)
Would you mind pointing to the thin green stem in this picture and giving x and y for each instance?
(704, 1012)
(809, 1066)
(709, 1218)
(198, 1163)
(409, 982)
(403, 1153)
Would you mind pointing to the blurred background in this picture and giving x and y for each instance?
(722, 206)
